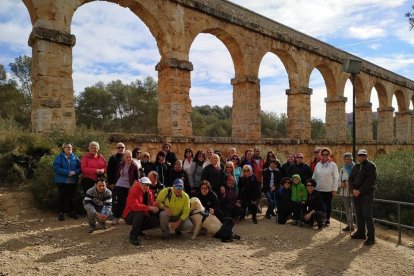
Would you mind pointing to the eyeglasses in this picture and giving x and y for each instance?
(309, 185)
(316, 152)
(120, 147)
(300, 157)
(145, 156)
(138, 152)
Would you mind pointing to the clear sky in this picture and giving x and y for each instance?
(113, 43)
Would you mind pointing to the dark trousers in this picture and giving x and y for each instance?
(327, 201)
(86, 184)
(120, 196)
(298, 210)
(252, 206)
(363, 209)
(140, 222)
(66, 197)
(318, 216)
(282, 216)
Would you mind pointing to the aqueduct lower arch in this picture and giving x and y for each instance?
(175, 24)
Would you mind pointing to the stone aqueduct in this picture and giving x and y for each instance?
(248, 37)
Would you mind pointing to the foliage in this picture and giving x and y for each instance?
(318, 130)
(273, 125)
(212, 121)
(410, 16)
(119, 107)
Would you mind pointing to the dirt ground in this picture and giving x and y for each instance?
(36, 243)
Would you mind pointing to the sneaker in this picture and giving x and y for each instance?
(177, 233)
(61, 217)
(273, 213)
(268, 216)
(369, 242)
(294, 223)
(300, 224)
(91, 229)
(327, 223)
(358, 236)
(115, 221)
(134, 241)
(141, 234)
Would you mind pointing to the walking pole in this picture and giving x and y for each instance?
(351, 202)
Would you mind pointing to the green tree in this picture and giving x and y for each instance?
(21, 73)
(318, 129)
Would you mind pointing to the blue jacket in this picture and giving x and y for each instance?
(62, 166)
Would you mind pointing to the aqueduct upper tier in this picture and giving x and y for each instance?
(248, 37)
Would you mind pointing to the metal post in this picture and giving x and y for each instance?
(353, 117)
(399, 224)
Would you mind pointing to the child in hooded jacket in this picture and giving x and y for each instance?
(299, 198)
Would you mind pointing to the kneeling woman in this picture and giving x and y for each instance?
(209, 199)
(249, 192)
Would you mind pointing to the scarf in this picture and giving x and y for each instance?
(348, 167)
(327, 161)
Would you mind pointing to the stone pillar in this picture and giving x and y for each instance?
(299, 113)
(52, 86)
(246, 108)
(336, 121)
(363, 121)
(385, 130)
(403, 126)
(174, 104)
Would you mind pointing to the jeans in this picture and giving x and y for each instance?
(92, 216)
(363, 209)
(270, 202)
(349, 208)
(327, 200)
(165, 219)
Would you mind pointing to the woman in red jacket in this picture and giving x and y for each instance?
(92, 165)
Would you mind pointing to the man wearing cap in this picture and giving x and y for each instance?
(362, 181)
(174, 204)
(140, 210)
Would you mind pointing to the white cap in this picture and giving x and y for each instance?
(362, 152)
(145, 180)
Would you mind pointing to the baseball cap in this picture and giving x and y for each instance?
(179, 184)
(145, 181)
(362, 152)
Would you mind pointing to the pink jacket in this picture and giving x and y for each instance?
(90, 164)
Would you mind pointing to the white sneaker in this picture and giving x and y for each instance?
(115, 221)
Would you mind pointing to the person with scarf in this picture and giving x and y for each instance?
(326, 176)
(346, 192)
(196, 170)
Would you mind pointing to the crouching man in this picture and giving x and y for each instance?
(174, 204)
(315, 208)
(140, 209)
(98, 204)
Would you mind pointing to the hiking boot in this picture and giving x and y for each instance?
(177, 233)
(273, 213)
(61, 217)
(141, 234)
(103, 225)
(347, 229)
(91, 229)
(254, 220)
(300, 224)
(358, 236)
(327, 223)
(115, 221)
(369, 242)
(134, 241)
(294, 223)
(268, 216)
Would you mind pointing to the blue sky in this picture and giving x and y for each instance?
(112, 43)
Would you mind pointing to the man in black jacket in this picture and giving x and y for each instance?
(362, 180)
(113, 164)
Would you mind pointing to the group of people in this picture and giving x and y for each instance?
(149, 194)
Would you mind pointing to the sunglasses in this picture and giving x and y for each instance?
(309, 185)
(316, 152)
(145, 156)
(300, 157)
(120, 147)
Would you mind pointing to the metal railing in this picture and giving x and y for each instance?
(398, 223)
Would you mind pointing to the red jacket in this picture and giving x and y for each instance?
(135, 201)
(89, 164)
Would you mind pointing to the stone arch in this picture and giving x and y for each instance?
(288, 62)
(401, 101)
(229, 41)
(150, 20)
(328, 77)
(383, 100)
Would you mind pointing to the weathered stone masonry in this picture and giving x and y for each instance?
(248, 37)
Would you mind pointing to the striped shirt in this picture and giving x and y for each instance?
(95, 200)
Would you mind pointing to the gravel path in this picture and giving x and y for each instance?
(35, 243)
